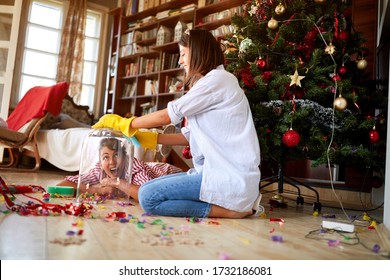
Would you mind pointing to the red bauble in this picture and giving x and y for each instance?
(336, 78)
(261, 63)
(344, 35)
(343, 70)
(376, 182)
(186, 152)
(267, 75)
(291, 138)
(374, 136)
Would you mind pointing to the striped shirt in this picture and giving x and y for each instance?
(141, 172)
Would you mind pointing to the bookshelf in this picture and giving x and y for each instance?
(144, 73)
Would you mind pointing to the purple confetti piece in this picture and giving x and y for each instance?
(376, 248)
(70, 233)
(277, 238)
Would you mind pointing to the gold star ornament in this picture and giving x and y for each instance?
(296, 79)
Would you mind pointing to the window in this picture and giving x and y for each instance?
(42, 46)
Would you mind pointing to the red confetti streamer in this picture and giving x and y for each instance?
(276, 220)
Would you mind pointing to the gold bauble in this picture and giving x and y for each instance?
(273, 24)
(340, 103)
(362, 64)
(280, 9)
(319, 1)
(278, 198)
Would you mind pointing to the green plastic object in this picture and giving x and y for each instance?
(60, 190)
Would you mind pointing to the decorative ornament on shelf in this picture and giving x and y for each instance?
(319, 1)
(280, 9)
(296, 79)
(330, 49)
(340, 103)
(373, 135)
(273, 23)
(362, 64)
(291, 138)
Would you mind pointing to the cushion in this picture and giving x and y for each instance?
(64, 121)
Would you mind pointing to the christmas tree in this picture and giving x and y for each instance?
(302, 66)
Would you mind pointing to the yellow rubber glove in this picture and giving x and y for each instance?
(147, 139)
(116, 122)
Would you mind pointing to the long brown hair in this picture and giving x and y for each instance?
(205, 54)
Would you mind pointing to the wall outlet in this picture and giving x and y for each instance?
(339, 226)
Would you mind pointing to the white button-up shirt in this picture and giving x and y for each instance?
(223, 139)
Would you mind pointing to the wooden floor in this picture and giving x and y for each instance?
(144, 237)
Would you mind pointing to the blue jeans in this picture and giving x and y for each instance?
(174, 195)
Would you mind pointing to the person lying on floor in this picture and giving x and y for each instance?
(111, 173)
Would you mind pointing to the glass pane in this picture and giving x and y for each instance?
(89, 73)
(3, 61)
(91, 49)
(47, 15)
(5, 26)
(87, 96)
(92, 28)
(28, 82)
(42, 39)
(40, 64)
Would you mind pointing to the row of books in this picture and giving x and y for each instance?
(147, 108)
(149, 65)
(174, 12)
(151, 87)
(133, 49)
(132, 7)
(222, 30)
(169, 61)
(223, 14)
(131, 69)
(136, 36)
(129, 90)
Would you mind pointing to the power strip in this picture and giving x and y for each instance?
(338, 226)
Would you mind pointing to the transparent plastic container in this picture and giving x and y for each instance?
(105, 167)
